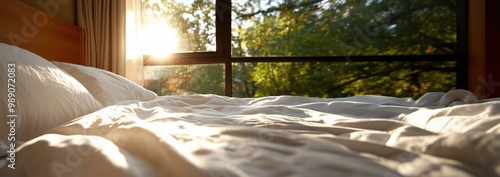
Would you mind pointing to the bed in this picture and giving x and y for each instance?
(72, 120)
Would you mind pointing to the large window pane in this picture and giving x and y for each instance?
(340, 79)
(178, 26)
(185, 79)
(343, 27)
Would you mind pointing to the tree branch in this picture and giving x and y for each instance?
(280, 8)
(386, 72)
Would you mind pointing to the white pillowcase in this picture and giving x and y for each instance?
(45, 96)
(108, 88)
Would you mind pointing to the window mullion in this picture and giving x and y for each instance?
(223, 40)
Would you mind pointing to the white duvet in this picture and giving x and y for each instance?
(441, 134)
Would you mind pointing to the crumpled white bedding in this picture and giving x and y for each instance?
(441, 134)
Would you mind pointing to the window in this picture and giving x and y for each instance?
(323, 48)
(178, 26)
(185, 79)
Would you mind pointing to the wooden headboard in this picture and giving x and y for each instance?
(39, 32)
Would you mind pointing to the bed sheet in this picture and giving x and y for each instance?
(441, 134)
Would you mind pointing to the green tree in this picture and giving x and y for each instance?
(344, 28)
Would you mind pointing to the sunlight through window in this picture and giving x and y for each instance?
(159, 39)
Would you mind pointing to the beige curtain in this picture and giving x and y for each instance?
(134, 64)
(104, 25)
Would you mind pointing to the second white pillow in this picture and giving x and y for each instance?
(108, 88)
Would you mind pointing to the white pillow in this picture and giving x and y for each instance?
(108, 88)
(45, 96)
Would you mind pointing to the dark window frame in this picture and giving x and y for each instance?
(222, 54)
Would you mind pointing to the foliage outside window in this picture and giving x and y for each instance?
(321, 48)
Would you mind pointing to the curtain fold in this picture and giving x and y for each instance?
(104, 25)
(134, 64)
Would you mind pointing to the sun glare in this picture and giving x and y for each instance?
(159, 40)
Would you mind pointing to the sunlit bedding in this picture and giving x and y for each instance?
(80, 121)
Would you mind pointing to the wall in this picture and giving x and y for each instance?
(492, 74)
(65, 10)
(484, 45)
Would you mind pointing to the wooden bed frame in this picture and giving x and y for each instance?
(39, 32)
